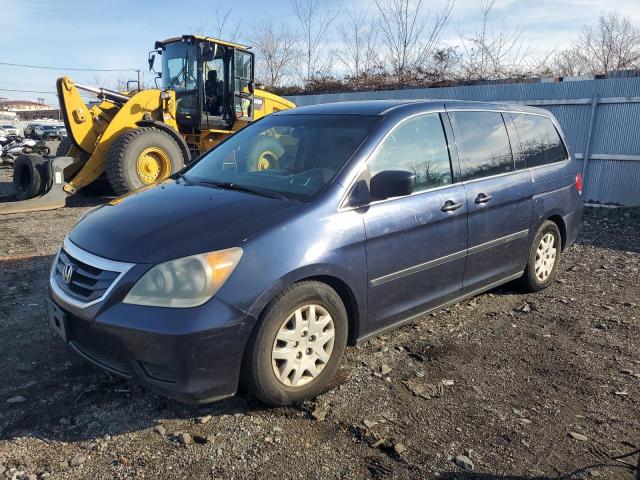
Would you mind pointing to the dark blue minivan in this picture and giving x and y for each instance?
(357, 218)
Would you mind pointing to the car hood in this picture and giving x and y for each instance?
(176, 219)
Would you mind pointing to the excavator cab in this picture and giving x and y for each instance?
(213, 82)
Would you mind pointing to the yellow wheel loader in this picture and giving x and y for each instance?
(137, 138)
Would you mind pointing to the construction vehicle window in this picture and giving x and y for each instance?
(180, 73)
(242, 77)
(213, 86)
(291, 155)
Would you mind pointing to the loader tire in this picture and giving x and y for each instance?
(263, 153)
(30, 177)
(141, 157)
(63, 147)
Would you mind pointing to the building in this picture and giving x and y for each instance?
(29, 109)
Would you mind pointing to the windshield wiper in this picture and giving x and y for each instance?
(182, 70)
(242, 188)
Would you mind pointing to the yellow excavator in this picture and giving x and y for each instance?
(136, 138)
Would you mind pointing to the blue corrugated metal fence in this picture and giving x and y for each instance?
(612, 174)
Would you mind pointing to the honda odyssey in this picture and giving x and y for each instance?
(352, 219)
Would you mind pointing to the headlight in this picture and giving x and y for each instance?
(185, 282)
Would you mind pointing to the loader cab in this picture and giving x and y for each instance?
(213, 82)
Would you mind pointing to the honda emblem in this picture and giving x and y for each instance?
(67, 272)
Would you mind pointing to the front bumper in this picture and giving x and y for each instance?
(192, 355)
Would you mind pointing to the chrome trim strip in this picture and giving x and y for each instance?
(498, 110)
(418, 268)
(459, 299)
(91, 260)
(498, 241)
(448, 258)
(391, 199)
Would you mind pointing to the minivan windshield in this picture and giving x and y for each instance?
(293, 156)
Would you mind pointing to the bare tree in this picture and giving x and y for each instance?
(223, 27)
(409, 35)
(315, 20)
(500, 51)
(612, 44)
(569, 63)
(100, 81)
(276, 51)
(359, 35)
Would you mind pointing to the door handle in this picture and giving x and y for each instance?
(483, 198)
(450, 206)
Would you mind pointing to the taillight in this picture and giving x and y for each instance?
(579, 183)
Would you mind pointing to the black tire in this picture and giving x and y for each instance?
(269, 148)
(30, 176)
(257, 374)
(529, 281)
(64, 147)
(123, 155)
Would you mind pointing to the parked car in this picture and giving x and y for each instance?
(9, 130)
(370, 215)
(45, 132)
(52, 132)
(28, 131)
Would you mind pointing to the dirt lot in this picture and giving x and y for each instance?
(525, 386)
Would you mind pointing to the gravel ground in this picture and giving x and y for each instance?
(516, 386)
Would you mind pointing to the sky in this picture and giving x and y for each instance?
(118, 34)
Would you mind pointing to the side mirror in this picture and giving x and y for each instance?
(152, 59)
(392, 183)
(251, 87)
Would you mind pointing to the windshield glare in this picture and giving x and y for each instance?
(292, 155)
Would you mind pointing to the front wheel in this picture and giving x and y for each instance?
(543, 258)
(296, 349)
(141, 157)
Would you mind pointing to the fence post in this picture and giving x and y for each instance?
(587, 148)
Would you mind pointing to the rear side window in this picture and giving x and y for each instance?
(418, 145)
(483, 144)
(539, 140)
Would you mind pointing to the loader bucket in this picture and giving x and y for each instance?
(54, 197)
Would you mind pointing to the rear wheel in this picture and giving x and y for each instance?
(141, 157)
(543, 258)
(296, 349)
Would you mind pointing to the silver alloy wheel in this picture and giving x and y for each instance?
(545, 257)
(303, 345)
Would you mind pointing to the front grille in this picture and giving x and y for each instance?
(87, 282)
(102, 358)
